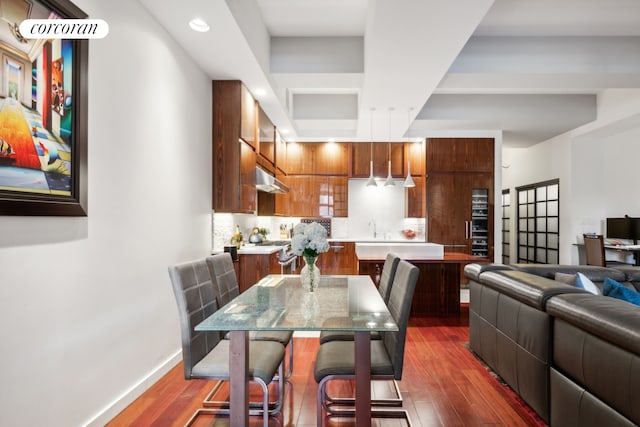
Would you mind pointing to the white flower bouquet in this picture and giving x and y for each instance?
(309, 240)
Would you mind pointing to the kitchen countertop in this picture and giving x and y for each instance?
(259, 250)
(449, 257)
(250, 249)
(371, 240)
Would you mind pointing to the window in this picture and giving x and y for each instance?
(538, 222)
(506, 226)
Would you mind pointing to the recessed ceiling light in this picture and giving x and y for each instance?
(260, 92)
(199, 25)
(284, 131)
(331, 140)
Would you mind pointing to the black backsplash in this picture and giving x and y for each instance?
(326, 223)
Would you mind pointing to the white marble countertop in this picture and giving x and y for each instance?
(258, 250)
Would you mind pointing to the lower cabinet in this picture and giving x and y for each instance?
(339, 259)
(253, 267)
(437, 291)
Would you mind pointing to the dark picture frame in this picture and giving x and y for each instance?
(72, 200)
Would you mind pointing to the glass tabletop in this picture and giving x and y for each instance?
(279, 303)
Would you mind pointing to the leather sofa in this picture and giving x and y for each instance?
(572, 356)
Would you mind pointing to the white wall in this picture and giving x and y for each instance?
(86, 309)
(595, 165)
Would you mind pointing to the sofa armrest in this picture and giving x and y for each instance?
(473, 271)
(613, 320)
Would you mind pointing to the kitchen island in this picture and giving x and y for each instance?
(438, 289)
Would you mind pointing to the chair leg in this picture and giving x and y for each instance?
(350, 401)
(322, 403)
(290, 371)
(223, 405)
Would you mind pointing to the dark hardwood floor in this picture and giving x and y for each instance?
(443, 384)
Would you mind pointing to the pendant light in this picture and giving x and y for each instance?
(389, 181)
(371, 182)
(408, 182)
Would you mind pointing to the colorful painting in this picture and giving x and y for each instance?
(42, 114)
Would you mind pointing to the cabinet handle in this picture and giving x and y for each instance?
(337, 248)
(466, 230)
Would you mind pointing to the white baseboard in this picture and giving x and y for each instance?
(115, 407)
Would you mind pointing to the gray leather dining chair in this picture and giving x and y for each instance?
(384, 288)
(224, 279)
(204, 354)
(336, 359)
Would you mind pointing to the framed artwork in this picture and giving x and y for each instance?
(43, 114)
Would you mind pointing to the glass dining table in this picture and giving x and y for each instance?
(279, 303)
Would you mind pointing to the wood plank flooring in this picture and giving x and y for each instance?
(443, 384)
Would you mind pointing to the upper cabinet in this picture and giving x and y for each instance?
(234, 140)
(460, 154)
(414, 156)
(318, 158)
(313, 196)
(267, 137)
(248, 111)
(363, 152)
(415, 198)
(281, 152)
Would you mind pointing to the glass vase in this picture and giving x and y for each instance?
(310, 274)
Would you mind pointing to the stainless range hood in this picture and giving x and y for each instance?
(268, 183)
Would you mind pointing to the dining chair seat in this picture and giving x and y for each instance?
(264, 359)
(336, 358)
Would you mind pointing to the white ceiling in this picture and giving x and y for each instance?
(531, 69)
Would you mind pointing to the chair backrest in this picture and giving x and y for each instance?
(594, 249)
(224, 277)
(404, 285)
(387, 276)
(196, 301)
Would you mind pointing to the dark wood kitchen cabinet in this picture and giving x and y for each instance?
(415, 199)
(254, 267)
(318, 158)
(460, 155)
(449, 189)
(234, 141)
(362, 152)
(313, 196)
(266, 137)
(281, 153)
(339, 259)
(415, 155)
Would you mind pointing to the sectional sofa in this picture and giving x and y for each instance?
(573, 356)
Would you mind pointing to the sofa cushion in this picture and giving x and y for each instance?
(583, 282)
(618, 290)
(568, 279)
(594, 273)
